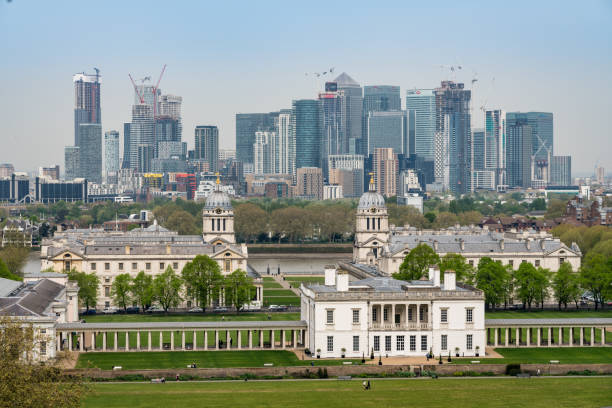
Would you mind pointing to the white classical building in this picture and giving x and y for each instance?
(42, 300)
(387, 317)
(151, 250)
(385, 246)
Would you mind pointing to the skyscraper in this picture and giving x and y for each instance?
(478, 149)
(125, 163)
(387, 129)
(453, 123)
(246, 126)
(352, 111)
(541, 130)
(285, 151)
(111, 152)
(386, 171)
(72, 162)
(519, 153)
(423, 103)
(481, 176)
(141, 135)
(207, 145)
(307, 128)
(495, 144)
(347, 171)
(561, 171)
(381, 98)
(86, 100)
(264, 153)
(333, 124)
(90, 151)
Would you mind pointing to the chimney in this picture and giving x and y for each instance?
(342, 281)
(431, 273)
(168, 249)
(449, 280)
(127, 249)
(462, 244)
(436, 277)
(330, 275)
(528, 243)
(435, 245)
(502, 244)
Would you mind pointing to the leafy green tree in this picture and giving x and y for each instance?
(142, 289)
(183, 222)
(120, 290)
(492, 278)
(250, 221)
(539, 204)
(544, 275)
(24, 382)
(565, 285)
(239, 289)
(88, 287)
(596, 276)
(417, 263)
(431, 217)
(167, 288)
(6, 274)
(203, 280)
(457, 263)
(15, 257)
(530, 283)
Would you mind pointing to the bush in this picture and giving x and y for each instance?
(405, 374)
(458, 374)
(513, 369)
(585, 372)
(325, 375)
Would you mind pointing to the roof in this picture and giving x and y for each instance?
(218, 199)
(345, 79)
(549, 322)
(371, 199)
(41, 275)
(7, 286)
(32, 299)
(226, 324)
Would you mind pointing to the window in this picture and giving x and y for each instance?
(421, 314)
(107, 291)
(162, 266)
(561, 260)
(189, 303)
(120, 266)
(148, 266)
(387, 343)
(374, 314)
(330, 316)
(423, 343)
(412, 343)
(410, 314)
(107, 304)
(376, 343)
(471, 262)
(43, 348)
(355, 343)
(106, 279)
(399, 343)
(385, 314)
(228, 265)
(175, 266)
(107, 266)
(43, 331)
(511, 262)
(93, 266)
(444, 342)
(355, 316)
(443, 315)
(537, 262)
(330, 343)
(134, 265)
(468, 342)
(469, 314)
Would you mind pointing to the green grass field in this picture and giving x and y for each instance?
(483, 392)
(204, 359)
(278, 292)
(282, 300)
(305, 279)
(565, 355)
(546, 314)
(272, 285)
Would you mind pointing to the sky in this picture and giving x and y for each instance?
(228, 57)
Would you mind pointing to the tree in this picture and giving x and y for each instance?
(565, 285)
(142, 289)
(539, 204)
(596, 276)
(6, 274)
(530, 283)
(15, 257)
(167, 288)
(120, 290)
(457, 263)
(88, 287)
(239, 289)
(431, 217)
(24, 382)
(250, 221)
(417, 262)
(203, 279)
(183, 222)
(492, 278)
(556, 209)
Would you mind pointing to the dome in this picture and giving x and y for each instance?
(218, 199)
(371, 199)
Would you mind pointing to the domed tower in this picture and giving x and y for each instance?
(372, 227)
(218, 218)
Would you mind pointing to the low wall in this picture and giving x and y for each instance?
(561, 369)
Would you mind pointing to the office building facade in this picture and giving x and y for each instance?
(141, 136)
(541, 124)
(561, 171)
(90, 151)
(387, 129)
(111, 152)
(386, 171)
(207, 145)
(352, 112)
(423, 103)
(86, 101)
(519, 153)
(307, 128)
(381, 98)
(246, 126)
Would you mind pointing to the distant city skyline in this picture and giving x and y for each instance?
(557, 62)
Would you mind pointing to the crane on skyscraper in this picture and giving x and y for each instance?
(140, 96)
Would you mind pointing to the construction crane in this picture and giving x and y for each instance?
(140, 96)
(155, 88)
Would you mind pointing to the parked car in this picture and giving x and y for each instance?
(155, 309)
(133, 309)
(516, 306)
(196, 310)
(277, 308)
(110, 310)
(220, 309)
(89, 312)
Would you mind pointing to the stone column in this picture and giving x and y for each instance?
(70, 341)
(261, 339)
(81, 341)
(518, 336)
(592, 336)
(239, 339)
(115, 344)
(293, 339)
(560, 336)
(161, 340)
(149, 340)
(227, 339)
(282, 334)
(138, 340)
(216, 339)
(528, 337)
(194, 341)
(392, 315)
(104, 341)
(549, 336)
(495, 337)
(172, 340)
(183, 340)
(603, 336)
(93, 341)
(571, 336)
(205, 340)
(506, 337)
(250, 339)
(539, 336)
(418, 314)
(58, 341)
(581, 336)
(271, 339)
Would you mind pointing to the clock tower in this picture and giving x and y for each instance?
(372, 227)
(218, 218)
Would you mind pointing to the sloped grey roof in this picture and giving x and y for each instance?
(32, 299)
(345, 79)
(7, 286)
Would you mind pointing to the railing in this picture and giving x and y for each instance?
(401, 326)
(401, 296)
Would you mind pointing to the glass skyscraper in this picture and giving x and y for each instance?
(246, 126)
(381, 98)
(388, 129)
(207, 145)
(111, 152)
(307, 127)
(352, 112)
(518, 153)
(541, 129)
(423, 103)
(90, 151)
(86, 101)
(478, 149)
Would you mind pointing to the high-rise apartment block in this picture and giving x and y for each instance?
(386, 171)
(90, 151)
(86, 101)
(141, 137)
(309, 183)
(246, 126)
(72, 162)
(51, 173)
(111, 152)
(263, 153)
(600, 174)
(561, 171)
(307, 128)
(6, 169)
(519, 153)
(207, 146)
(347, 170)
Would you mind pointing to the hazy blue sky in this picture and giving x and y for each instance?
(226, 57)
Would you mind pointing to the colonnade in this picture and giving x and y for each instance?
(546, 336)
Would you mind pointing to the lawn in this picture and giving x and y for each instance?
(482, 392)
(565, 355)
(278, 292)
(547, 314)
(203, 359)
(272, 285)
(282, 300)
(305, 279)
(189, 317)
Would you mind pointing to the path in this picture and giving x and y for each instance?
(285, 284)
